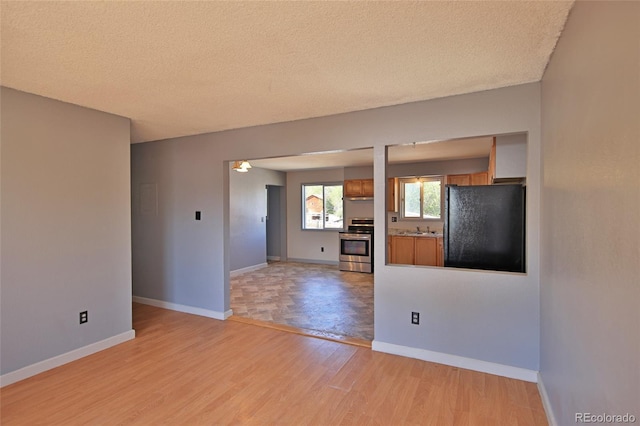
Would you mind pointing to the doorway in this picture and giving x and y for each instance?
(297, 287)
(276, 223)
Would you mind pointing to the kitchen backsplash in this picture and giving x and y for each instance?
(358, 208)
(434, 226)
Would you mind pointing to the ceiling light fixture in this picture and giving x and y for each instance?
(241, 166)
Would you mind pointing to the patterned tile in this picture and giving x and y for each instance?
(311, 296)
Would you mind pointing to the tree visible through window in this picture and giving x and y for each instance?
(421, 197)
(322, 206)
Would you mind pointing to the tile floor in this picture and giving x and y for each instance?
(308, 296)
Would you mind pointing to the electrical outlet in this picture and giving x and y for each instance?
(415, 318)
(322, 249)
(84, 317)
(198, 215)
(394, 218)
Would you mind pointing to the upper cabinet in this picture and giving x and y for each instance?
(392, 195)
(481, 178)
(460, 180)
(358, 188)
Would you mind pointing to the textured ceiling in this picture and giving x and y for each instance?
(179, 68)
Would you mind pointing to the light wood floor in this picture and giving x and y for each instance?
(183, 369)
(313, 297)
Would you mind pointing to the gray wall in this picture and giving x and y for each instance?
(248, 213)
(176, 258)
(590, 289)
(483, 315)
(360, 172)
(511, 156)
(66, 234)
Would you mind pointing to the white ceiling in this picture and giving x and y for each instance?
(420, 151)
(178, 67)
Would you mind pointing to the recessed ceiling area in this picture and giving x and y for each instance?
(455, 149)
(409, 153)
(320, 160)
(182, 68)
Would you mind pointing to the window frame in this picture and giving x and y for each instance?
(421, 179)
(303, 222)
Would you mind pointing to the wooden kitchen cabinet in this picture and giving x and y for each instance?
(480, 178)
(358, 188)
(426, 251)
(403, 250)
(460, 180)
(421, 250)
(367, 187)
(440, 252)
(392, 195)
(352, 188)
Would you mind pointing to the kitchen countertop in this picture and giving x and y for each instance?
(408, 233)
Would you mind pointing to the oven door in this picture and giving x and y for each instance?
(355, 248)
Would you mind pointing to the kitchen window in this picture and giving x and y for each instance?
(421, 197)
(322, 206)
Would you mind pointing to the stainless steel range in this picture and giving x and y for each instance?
(356, 245)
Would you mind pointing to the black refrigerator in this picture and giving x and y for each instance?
(484, 227)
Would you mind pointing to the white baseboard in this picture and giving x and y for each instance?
(247, 269)
(56, 361)
(274, 258)
(546, 402)
(457, 361)
(183, 308)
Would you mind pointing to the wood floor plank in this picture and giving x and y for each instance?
(187, 370)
